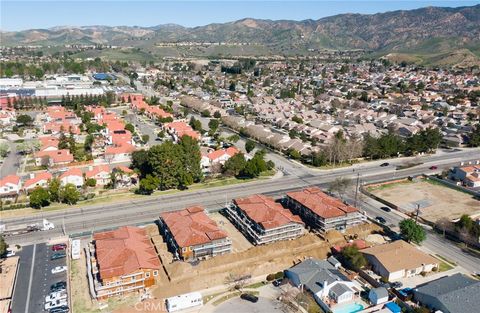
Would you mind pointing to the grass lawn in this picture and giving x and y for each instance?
(445, 259)
(444, 267)
(256, 285)
(233, 295)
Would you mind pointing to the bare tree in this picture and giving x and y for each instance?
(339, 186)
(444, 224)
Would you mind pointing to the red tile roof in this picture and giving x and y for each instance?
(57, 156)
(191, 227)
(35, 180)
(124, 148)
(72, 172)
(360, 243)
(124, 251)
(124, 169)
(219, 153)
(320, 203)
(97, 170)
(10, 179)
(266, 212)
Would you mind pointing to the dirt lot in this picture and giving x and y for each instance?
(239, 242)
(435, 200)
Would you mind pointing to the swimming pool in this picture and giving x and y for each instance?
(349, 308)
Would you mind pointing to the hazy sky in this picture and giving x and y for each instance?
(19, 14)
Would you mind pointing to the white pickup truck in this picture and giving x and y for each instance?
(55, 303)
(54, 296)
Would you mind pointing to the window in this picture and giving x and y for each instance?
(147, 274)
(155, 273)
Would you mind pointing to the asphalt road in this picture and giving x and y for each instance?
(35, 278)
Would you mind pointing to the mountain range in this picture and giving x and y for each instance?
(431, 31)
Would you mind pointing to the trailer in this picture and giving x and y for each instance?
(23, 229)
(185, 301)
(75, 247)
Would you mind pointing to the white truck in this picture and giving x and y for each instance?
(22, 229)
(185, 301)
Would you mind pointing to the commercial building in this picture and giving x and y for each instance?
(321, 211)
(191, 234)
(399, 259)
(122, 261)
(264, 221)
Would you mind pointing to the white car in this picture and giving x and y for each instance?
(54, 304)
(10, 253)
(58, 269)
(54, 296)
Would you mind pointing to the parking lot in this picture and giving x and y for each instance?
(35, 278)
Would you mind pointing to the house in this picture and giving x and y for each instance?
(9, 186)
(217, 157)
(263, 221)
(72, 176)
(119, 153)
(37, 180)
(178, 129)
(122, 261)
(191, 234)
(322, 211)
(378, 295)
(399, 259)
(53, 157)
(100, 173)
(469, 175)
(125, 177)
(326, 283)
(450, 294)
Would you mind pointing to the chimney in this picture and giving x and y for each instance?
(32, 175)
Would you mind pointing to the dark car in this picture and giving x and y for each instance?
(61, 285)
(59, 247)
(58, 255)
(434, 167)
(249, 297)
(396, 284)
(380, 219)
(277, 282)
(386, 208)
(384, 164)
(60, 309)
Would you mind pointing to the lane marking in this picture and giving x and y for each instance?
(30, 281)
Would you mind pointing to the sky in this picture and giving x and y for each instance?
(20, 15)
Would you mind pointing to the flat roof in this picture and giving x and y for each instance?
(7, 276)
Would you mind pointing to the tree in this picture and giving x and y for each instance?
(69, 194)
(90, 182)
(3, 246)
(39, 198)
(140, 162)
(340, 186)
(148, 185)
(474, 137)
(4, 148)
(233, 138)
(130, 127)
(191, 157)
(294, 154)
(145, 138)
(205, 113)
(411, 231)
(63, 142)
(352, 258)
(255, 166)
(213, 124)
(217, 115)
(24, 120)
(234, 165)
(54, 189)
(166, 163)
(196, 124)
(249, 145)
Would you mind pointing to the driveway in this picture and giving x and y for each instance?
(11, 163)
(237, 305)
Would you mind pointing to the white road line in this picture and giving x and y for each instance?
(30, 281)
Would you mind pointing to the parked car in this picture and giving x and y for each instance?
(60, 309)
(396, 284)
(249, 297)
(58, 269)
(55, 304)
(60, 286)
(384, 164)
(386, 208)
(277, 282)
(54, 296)
(59, 247)
(434, 167)
(58, 255)
(380, 219)
(8, 253)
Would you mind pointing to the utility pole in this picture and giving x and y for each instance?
(416, 215)
(356, 189)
